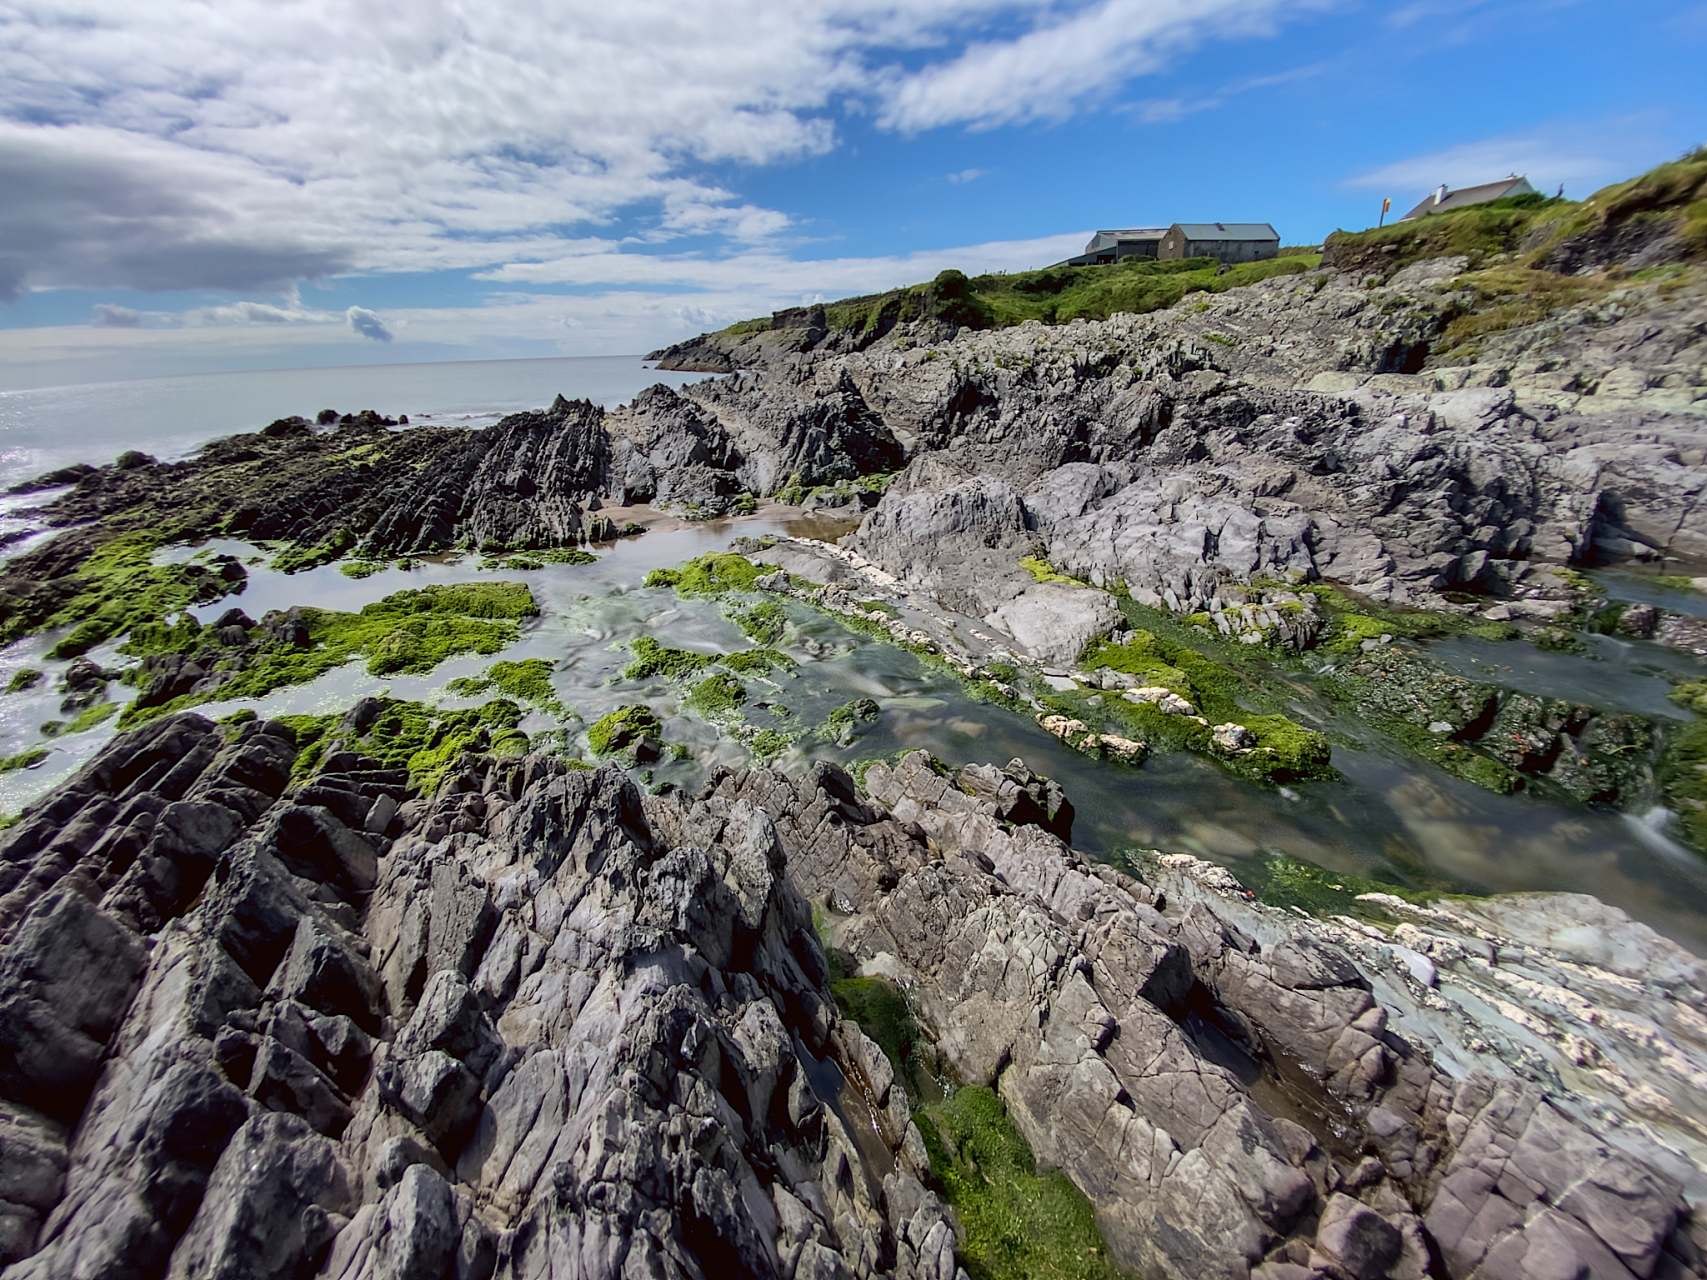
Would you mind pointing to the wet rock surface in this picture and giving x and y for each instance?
(541, 1023)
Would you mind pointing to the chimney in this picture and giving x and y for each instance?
(1440, 196)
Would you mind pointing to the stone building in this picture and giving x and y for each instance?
(1223, 241)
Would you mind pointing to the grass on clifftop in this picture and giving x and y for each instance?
(1020, 1224)
(1529, 227)
(1053, 295)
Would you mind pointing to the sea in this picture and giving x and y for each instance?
(44, 428)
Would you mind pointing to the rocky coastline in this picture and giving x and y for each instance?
(393, 990)
(266, 1024)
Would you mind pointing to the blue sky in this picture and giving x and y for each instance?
(250, 185)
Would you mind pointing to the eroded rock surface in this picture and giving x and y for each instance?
(534, 1025)
(543, 1024)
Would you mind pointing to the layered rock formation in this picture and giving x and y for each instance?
(535, 1025)
(542, 1024)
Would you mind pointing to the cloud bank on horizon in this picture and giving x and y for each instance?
(656, 166)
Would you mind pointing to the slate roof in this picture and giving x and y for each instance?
(1228, 231)
(1463, 196)
(1104, 239)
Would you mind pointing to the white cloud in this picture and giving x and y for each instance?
(512, 323)
(1582, 156)
(770, 275)
(256, 313)
(245, 145)
(108, 316)
(967, 175)
(367, 324)
(1062, 64)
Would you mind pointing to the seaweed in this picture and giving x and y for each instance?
(1018, 1223)
(529, 680)
(622, 728)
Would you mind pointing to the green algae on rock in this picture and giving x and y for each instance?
(528, 680)
(427, 741)
(102, 587)
(716, 698)
(1019, 1223)
(23, 759)
(763, 622)
(710, 575)
(407, 632)
(22, 679)
(622, 729)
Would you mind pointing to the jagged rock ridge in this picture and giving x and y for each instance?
(542, 1024)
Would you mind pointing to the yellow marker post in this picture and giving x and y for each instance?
(1385, 205)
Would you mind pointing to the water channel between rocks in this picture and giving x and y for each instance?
(1388, 816)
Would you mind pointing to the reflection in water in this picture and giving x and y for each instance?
(1387, 816)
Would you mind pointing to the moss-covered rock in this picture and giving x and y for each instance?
(427, 741)
(710, 575)
(652, 659)
(1019, 1224)
(622, 729)
(23, 759)
(718, 697)
(408, 632)
(528, 680)
(763, 622)
(1683, 781)
(22, 679)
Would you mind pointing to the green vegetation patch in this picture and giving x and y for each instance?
(1281, 880)
(22, 679)
(24, 759)
(408, 632)
(757, 662)
(718, 697)
(362, 568)
(1692, 694)
(844, 721)
(768, 744)
(296, 559)
(89, 717)
(882, 1013)
(710, 575)
(1507, 297)
(427, 741)
(763, 623)
(654, 659)
(1020, 1224)
(528, 680)
(532, 559)
(1285, 751)
(1043, 571)
(1477, 232)
(1683, 780)
(622, 728)
(114, 588)
(1140, 657)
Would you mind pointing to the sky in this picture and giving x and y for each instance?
(189, 187)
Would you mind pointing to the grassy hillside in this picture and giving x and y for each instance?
(1053, 295)
(1668, 203)
(1528, 255)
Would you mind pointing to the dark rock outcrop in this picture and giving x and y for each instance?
(542, 1024)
